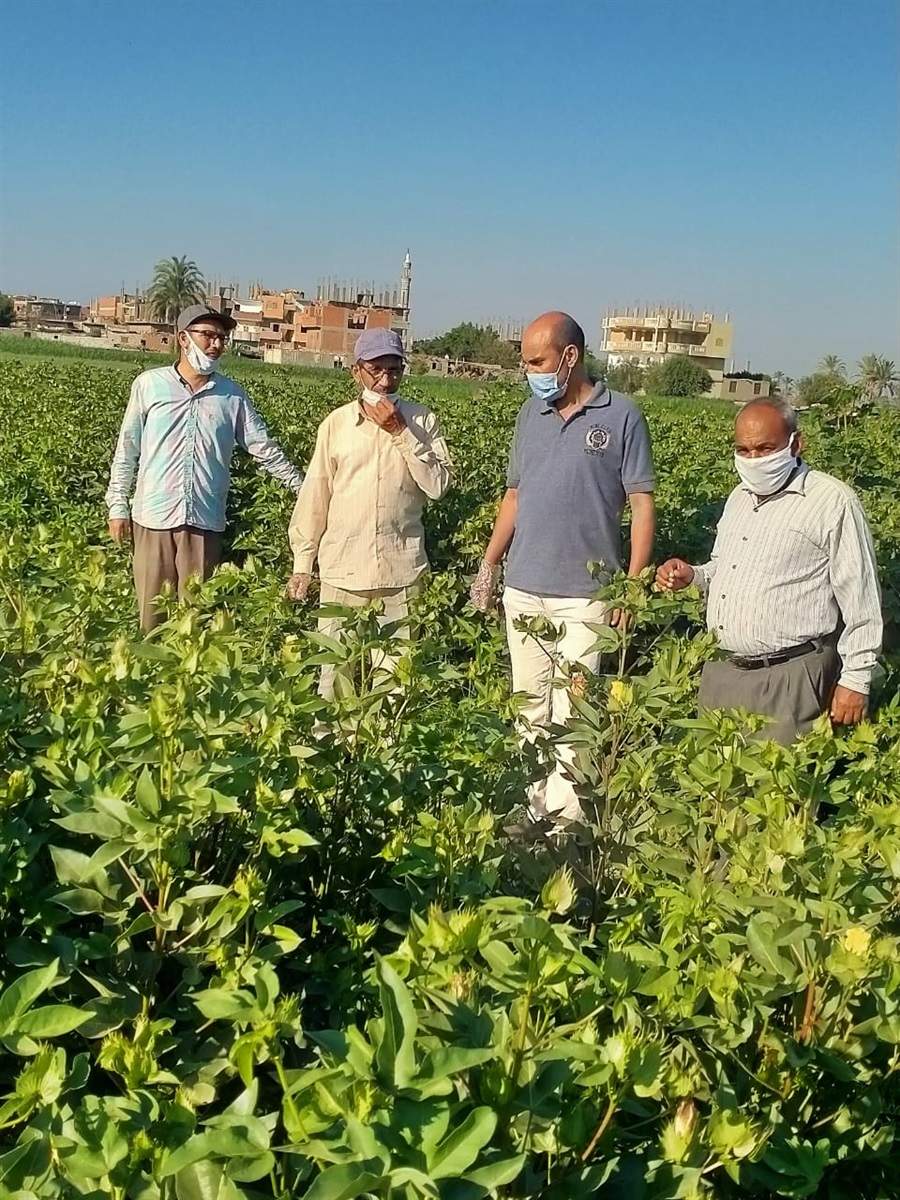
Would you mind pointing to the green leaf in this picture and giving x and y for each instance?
(657, 981)
(459, 1150)
(146, 793)
(762, 945)
(342, 1182)
(223, 1004)
(451, 1060)
(249, 1170)
(22, 993)
(52, 1020)
(205, 1181)
(92, 824)
(395, 1058)
(496, 1174)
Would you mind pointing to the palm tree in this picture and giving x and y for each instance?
(832, 365)
(877, 377)
(782, 385)
(177, 283)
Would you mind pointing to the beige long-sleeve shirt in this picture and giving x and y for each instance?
(360, 508)
(790, 567)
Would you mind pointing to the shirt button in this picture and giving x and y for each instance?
(721, 626)
(743, 539)
(723, 595)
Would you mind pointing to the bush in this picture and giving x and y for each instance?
(677, 376)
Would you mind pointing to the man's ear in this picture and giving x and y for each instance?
(799, 444)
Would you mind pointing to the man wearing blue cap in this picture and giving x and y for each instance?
(359, 512)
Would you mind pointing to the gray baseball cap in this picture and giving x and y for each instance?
(378, 343)
(202, 312)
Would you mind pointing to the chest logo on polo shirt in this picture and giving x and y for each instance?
(596, 440)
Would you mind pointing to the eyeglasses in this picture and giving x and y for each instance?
(382, 372)
(209, 336)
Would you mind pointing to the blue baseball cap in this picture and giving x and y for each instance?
(378, 343)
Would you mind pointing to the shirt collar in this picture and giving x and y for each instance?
(600, 397)
(184, 383)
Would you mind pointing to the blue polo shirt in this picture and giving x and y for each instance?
(572, 479)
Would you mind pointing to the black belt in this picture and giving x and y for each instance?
(780, 656)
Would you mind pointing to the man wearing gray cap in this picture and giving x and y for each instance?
(359, 512)
(180, 428)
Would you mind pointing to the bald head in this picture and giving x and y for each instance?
(553, 331)
(764, 426)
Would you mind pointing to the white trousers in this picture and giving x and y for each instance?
(535, 667)
(396, 608)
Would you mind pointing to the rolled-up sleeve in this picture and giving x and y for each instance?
(126, 457)
(253, 437)
(854, 578)
(426, 455)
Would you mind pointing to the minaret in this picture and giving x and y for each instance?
(405, 284)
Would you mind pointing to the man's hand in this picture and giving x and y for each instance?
(386, 416)
(297, 587)
(674, 575)
(848, 707)
(483, 592)
(120, 530)
(619, 619)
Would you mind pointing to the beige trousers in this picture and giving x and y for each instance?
(396, 608)
(170, 556)
(535, 671)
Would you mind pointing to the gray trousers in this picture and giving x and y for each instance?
(793, 693)
(170, 556)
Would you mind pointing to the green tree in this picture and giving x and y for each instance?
(677, 376)
(627, 377)
(177, 283)
(832, 365)
(6, 311)
(472, 343)
(816, 390)
(878, 377)
(595, 367)
(782, 384)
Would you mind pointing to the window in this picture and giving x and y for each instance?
(757, 388)
(275, 328)
(718, 341)
(732, 387)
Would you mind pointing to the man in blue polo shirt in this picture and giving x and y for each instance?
(579, 452)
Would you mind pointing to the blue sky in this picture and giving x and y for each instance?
(738, 155)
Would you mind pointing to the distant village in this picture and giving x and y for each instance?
(289, 328)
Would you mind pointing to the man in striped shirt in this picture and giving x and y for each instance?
(178, 435)
(377, 460)
(792, 585)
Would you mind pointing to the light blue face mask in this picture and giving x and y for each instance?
(545, 385)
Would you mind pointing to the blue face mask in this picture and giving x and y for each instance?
(545, 385)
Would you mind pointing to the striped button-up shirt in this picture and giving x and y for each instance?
(180, 444)
(792, 567)
(360, 507)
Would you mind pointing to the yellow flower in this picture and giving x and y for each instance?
(856, 940)
(620, 695)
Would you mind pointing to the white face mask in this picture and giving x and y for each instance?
(764, 476)
(200, 361)
(371, 397)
